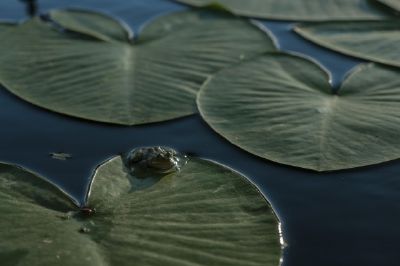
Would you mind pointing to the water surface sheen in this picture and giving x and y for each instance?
(331, 219)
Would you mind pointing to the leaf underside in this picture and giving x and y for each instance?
(205, 214)
(376, 41)
(288, 113)
(88, 67)
(299, 10)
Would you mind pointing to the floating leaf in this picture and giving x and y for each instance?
(94, 24)
(304, 10)
(287, 112)
(204, 214)
(91, 71)
(375, 41)
(31, 230)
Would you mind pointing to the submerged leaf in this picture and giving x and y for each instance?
(89, 68)
(287, 112)
(304, 10)
(203, 214)
(376, 41)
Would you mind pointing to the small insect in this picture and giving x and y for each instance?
(87, 211)
(60, 156)
(155, 160)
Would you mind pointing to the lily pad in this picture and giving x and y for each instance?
(303, 10)
(288, 112)
(85, 64)
(375, 41)
(205, 214)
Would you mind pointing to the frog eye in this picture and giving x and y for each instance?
(171, 153)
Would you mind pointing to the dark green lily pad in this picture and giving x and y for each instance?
(303, 10)
(376, 41)
(282, 107)
(205, 214)
(88, 67)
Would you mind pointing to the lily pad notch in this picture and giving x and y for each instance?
(288, 113)
(203, 214)
(92, 69)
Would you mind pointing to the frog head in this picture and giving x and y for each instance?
(154, 160)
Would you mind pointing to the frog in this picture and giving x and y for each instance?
(154, 160)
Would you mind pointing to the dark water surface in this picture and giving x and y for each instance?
(332, 219)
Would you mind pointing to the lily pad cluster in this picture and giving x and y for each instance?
(369, 39)
(282, 107)
(203, 214)
(152, 206)
(368, 29)
(155, 206)
(275, 105)
(88, 65)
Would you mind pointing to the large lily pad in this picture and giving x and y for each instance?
(375, 41)
(304, 10)
(87, 66)
(205, 214)
(287, 112)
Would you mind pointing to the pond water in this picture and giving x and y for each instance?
(329, 219)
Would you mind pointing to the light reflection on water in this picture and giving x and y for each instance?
(342, 218)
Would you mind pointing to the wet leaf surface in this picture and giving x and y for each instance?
(375, 41)
(287, 112)
(84, 64)
(302, 10)
(204, 214)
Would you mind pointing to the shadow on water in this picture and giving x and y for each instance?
(330, 219)
(31, 7)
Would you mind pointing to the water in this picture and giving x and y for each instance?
(332, 219)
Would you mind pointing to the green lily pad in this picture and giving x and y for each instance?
(90, 68)
(287, 112)
(205, 214)
(375, 41)
(303, 10)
